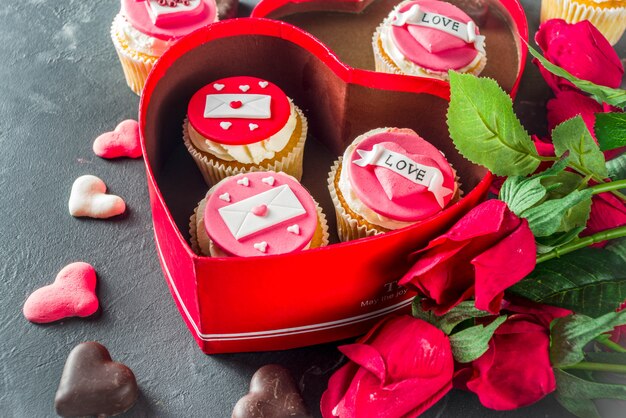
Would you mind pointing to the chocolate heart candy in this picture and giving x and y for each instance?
(273, 394)
(93, 384)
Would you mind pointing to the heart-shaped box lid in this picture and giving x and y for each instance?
(347, 26)
(308, 297)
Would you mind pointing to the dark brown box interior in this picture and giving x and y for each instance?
(349, 34)
(337, 112)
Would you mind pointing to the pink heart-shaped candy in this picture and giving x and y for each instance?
(71, 294)
(260, 210)
(122, 142)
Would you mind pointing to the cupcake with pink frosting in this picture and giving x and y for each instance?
(387, 179)
(257, 214)
(242, 124)
(144, 29)
(428, 38)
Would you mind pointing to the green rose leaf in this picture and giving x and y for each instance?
(559, 186)
(547, 244)
(617, 167)
(610, 130)
(605, 357)
(484, 127)
(590, 281)
(546, 218)
(521, 193)
(577, 394)
(446, 322)
(618, 247)
(569, 335)
(473, 342)
(601, 94)
(573, 136)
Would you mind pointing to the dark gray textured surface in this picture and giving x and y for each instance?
(60, 86)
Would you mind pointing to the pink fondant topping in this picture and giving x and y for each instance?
(260, 213)
(401, 176)
(435, 35)
(251, 110)
(164, 21)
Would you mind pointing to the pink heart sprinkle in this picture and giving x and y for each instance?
(122, 142)
(260, 210)
(73, 293)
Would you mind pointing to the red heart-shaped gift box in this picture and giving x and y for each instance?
(314, 296)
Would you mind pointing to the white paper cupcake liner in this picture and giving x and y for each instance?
(348, 228)
(611, 21)
(384, 65)
(213, 170)
(381, 63)
(136, 66)
(202, 245)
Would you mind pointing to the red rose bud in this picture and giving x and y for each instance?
(484, 253)
(400, 368)
(580, 49)
(516, 371)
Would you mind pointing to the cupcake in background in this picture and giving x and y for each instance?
(243, 124)
(427, 38)
(387, 179)
(609, 16)
(227, 9)
(256, 214)
(144, 29)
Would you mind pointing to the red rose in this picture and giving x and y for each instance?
(570, 103)
(607, 212)
(515, 371)
(580, 49)
(485, 252)
(399, 369)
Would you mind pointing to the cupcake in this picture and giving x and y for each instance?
(609, 16)
(256, 214)
(243, 124)
(144, 29)
(387, 179)
(427, 38)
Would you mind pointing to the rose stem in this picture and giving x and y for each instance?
(607, 187)
(611, 186)
(583, 242)
(597, 367)
(611, 344)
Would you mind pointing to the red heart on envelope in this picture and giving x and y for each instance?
(310, 296)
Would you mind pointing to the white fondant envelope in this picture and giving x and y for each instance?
(282, 204)
(158, 11)
(251, 106)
